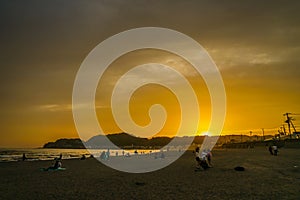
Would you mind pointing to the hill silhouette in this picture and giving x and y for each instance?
(65, 144)
(123, 140)
(128, 141)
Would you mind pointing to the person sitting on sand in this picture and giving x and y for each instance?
(127, 154)
(201, 159)
(57, 165)
(103, 155)
(197, 154)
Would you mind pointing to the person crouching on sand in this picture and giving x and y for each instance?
(201, 159)
(271, 150)
(275, 150)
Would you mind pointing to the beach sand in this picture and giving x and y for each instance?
(265, 177)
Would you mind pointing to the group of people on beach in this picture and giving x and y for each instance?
(203, 159)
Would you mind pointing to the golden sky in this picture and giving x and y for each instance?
(255, 44)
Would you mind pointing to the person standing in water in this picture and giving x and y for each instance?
(24, 157)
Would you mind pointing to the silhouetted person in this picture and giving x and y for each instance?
(107, 154)
(201, 159)
(162, 155)
(127, 154)
(275, 149)
(24, 157)
(103, 155)
(209, 156)
(57, 164)
(271, 150)
(197, 157)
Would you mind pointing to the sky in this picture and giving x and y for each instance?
(255, 45)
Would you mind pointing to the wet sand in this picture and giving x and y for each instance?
(265, 177)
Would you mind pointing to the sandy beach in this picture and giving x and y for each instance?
(265, 177)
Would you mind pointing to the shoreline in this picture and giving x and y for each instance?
(76, 154)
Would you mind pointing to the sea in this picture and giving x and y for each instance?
(35, 154)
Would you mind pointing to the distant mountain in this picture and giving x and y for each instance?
(123, 140)
(65, 144)
(126, 141)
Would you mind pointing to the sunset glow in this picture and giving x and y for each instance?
(42, 48)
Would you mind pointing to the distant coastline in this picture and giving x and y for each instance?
(127, 141)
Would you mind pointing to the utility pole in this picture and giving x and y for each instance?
(288, 121)
(284, 129)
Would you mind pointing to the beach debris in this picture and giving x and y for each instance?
(239, 168)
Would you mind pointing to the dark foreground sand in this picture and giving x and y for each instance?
(266, 177)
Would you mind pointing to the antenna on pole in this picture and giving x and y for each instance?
(288, 121)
